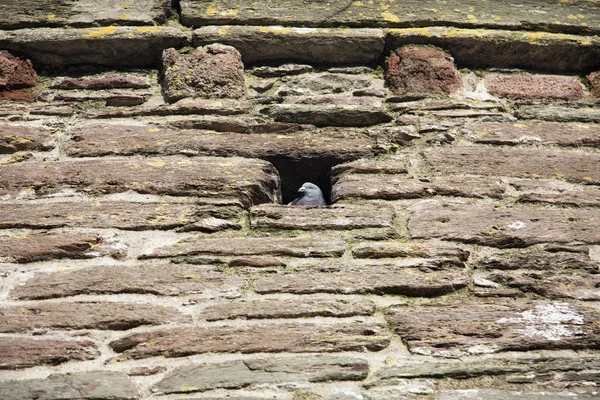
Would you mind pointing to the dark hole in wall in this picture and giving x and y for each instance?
(176, 6)
(294, 172)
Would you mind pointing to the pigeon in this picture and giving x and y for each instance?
(310, 195)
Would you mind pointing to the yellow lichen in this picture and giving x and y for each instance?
(98, 33)
(388, 16)
(148, 29)
(124, 16)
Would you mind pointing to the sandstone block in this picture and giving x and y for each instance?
(265, 338)
(408, 278)
(534, 87)
(52, 246)
(338, 217)
(277, 308)
(414, 71)
(594, 80)
(95, 385)
(475, 328)
(558, 113)
(403, 249)
(298, 246)
(256, 372)
(491, 394)
(555, 261)
(508, 133)
(327, 115)
(270, 44)
(14, 138)
(391, 165)
(503, 226)
(213, 71)
(570, 198)
(250, 181)
(21, 352)
(103, 82)
(114, 316)
(160, 280)
(187, 106)
(17, 78)
(575, 166)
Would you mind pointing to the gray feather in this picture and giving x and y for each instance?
(310, 195)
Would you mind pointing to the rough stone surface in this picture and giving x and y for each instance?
(558, 113)
(414, 278)
(111, 81)
(422, 72)
(265, 338)
(208, 177)
(213, 71)
(95, 385)
(114, 316)
(490, 394)
(112, 214)
(571, 198)
(97, 140)
(255, 372)
(505, 133)
(275, 308)
(391, 165)
(27, 248)
(20, 352)
(15, 138)
(530, 87)
(17, 78)
(406, 249)
(162, 280)
(327, 115)
(556, 261)
(575, 166)
(455, 330)
(503, 226)
(299, 246)
(594, 80)
(394, 187)
(269, 44)
(339, 217)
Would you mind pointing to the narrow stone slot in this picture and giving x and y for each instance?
(294, 172)
(176, 6)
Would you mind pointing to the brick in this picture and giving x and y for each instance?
(455, 330)
(328, 114)
(409, 278)
(258, 372)
(103, 82)
(508, 133)
(161, 280)
(391, 249)
(338, 217)
(558, 113)
(22, 352)
(52, 246)
(213, 71)
(264, 338)
(95, 385)
(534, 87)
(422, 71)
(299, 246)
(15, 138)
(279, 308)
(395, 187)
(113, 316)
(575, 166)
(251, 181)
(503, 226)
(271, 44)
(112, 214)
(91, 140)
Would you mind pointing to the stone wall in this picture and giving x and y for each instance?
(148, 151)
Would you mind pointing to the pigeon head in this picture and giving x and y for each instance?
(310, 195)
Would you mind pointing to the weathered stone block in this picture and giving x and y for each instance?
(503, 226)
(339, 217)
(558, 113)
(298, 246)
(161, 280)
(114, 316)
(51, 246)
(575, 166)
(491, 394)
(571, 198)
(392, 165)
(187, 106)
(328, 115)
(277, 308)
(534, 87)
(22, 352)
(213, 71)
(111, 81)
(258, 372)
(17, 78)
(264, 338)
(475, 328)
(419, 71)
(96, 385)
(594, 80)
(250, 181)
(269, 44)
(404, 249)
(15, 138)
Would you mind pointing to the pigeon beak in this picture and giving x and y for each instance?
(301, 190)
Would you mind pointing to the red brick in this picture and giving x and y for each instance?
(534, 87)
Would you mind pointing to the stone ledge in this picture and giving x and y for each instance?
(26, 352)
